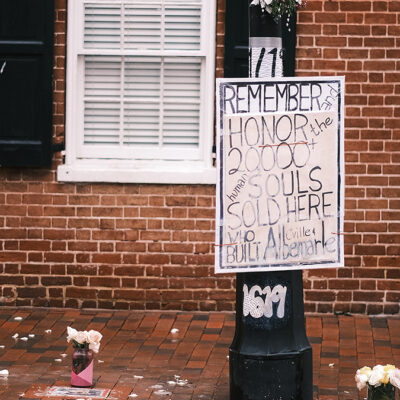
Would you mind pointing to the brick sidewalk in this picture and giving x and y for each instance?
(139, 354)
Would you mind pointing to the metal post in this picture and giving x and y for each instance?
(270, 358)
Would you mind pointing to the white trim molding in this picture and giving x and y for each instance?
(127, 172)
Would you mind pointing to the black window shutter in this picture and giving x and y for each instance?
(237, 41)
(26, 68)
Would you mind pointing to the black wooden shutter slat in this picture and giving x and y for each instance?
(26, 64)
(22, 47)
(236, 39)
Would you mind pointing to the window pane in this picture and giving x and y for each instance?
(162, 91)
(143, 26)
(102, 26)
(141, 123)
(181, 123)
(101, 122)
(142, 78)
(102, 76)
(142, 99)
(182, 27)
(102, 93)
(182, 79)
(147, 25)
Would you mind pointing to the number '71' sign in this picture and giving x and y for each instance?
(266, 57)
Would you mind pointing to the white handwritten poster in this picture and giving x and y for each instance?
(280, 160)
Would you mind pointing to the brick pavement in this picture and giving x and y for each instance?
(140, 355)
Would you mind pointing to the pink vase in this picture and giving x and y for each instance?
(82, 367)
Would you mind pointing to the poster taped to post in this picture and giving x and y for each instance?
(280, 161)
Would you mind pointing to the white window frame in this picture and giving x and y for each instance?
(197, 170)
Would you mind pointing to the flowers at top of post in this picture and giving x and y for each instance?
(278, 8)
(84, 339)
(377, 376)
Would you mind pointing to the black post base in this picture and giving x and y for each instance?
(282, 376)
(270, 357)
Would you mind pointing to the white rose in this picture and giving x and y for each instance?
(376, 376)
(94, 337)
(361, 380)
(365, 371)
(81, 337)
(394, 377)
(71, 334)
(94, 347)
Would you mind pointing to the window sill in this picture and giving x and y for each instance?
(143, 172)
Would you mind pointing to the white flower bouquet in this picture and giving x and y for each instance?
(277, 8)
(381, 381)
(85, 339)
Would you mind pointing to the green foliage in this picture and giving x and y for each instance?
(282, 7)
(80, 345)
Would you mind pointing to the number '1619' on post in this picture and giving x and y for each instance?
(280, 189)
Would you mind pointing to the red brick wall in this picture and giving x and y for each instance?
(361, 40)
(151, 246)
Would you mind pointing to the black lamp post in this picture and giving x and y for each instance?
(270, 356)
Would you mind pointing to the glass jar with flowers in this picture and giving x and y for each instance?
(85, 344)
(381, 381)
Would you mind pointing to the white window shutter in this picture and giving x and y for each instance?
(140, 90)
(141, 100)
